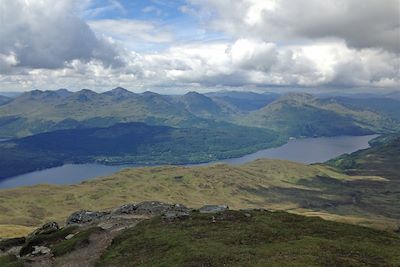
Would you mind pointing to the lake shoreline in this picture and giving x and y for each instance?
(329, 147)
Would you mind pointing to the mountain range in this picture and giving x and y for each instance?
(359, 191)
(290, 114)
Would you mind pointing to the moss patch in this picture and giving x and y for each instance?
(80, 240)
(255, 238)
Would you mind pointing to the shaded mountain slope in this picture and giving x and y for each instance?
(244, 101)
(4, 100)
(383, 158)
(387, 106)
(134, 143)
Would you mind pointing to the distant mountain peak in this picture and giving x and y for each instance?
(118, 91)
(62, 92)
(149, 93)
(200, 104)
(86, 91)
(83, 95)
(296, 97)
(44, 95)
(193, 93)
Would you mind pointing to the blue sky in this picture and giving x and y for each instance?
(182, 45)
(146, 10)
(166, 15)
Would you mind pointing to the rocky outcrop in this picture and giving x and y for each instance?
(40, 250)
(94, 230)
(9, 243)
(47, 228)
(213, 208)
(150, 208)
(85, 216)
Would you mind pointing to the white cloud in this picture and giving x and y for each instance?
(242, 63)
(273, 43)
(47, 34)
(360, 23)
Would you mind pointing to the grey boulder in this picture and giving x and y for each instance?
(213, 208)
(150, 208)
(85, 216)
(47, 228)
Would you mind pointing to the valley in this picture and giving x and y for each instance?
(47, 129)
(280, 161)
(189, 133)
(311, 190)
(324, 148)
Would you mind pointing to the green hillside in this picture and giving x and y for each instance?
(383, 105)
(291, 115)
(131, 143)
(304, 115)
(205, 107)
(41, 111)
(244, 101)
(251, 238)
(382, 159)
(273, 184)
(160, 234)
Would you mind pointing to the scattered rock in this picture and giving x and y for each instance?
(84, 216)
(213, 208)
(248, 215)
(7, 244)
(172, 215)
(47, 228)
(40, 250)
(68, 237)
(150, 208)
(125, 209)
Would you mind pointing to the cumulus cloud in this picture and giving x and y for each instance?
(47, 34)
(360, 23)
(241, 63)
(306, 43)
(260, 63)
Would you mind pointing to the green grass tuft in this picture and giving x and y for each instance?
(81, 239)
(251, 238)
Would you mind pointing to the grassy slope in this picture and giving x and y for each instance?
(304, 115)
(35, 112)
(41, 111)
(387, 106)
(294, 114)
(381, 159)
(271, 184)
(251, 238)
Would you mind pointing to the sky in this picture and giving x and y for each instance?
(183, 45)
